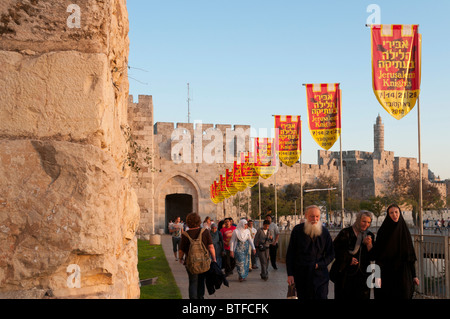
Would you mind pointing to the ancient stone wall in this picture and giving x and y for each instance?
(140, 120)
(68, 214)
(186, 170)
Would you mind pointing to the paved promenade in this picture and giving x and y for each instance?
(253, 288)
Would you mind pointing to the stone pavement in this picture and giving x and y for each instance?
(253, 288)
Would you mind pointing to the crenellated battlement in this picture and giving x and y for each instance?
(167, 128)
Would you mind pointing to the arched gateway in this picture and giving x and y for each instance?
(176, 195)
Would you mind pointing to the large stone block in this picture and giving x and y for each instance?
(91, 26)
(60, 95)
(65, 204)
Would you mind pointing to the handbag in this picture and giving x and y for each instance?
(262, 246)
(292, 292)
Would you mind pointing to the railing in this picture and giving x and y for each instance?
(432, 266)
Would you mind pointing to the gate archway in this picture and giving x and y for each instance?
(176, 195)
(178, 205)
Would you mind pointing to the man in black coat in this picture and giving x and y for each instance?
(309, 253)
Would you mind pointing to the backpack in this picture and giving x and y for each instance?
(197, 260)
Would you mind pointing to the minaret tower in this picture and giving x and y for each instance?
(378, 138)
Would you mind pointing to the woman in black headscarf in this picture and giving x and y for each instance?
(394, 254)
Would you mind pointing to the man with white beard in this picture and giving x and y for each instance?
(309, 253)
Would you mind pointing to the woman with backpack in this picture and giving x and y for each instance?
(197, 259)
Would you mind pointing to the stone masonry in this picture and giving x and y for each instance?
(68, 213)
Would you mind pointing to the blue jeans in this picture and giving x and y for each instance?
(196, 285)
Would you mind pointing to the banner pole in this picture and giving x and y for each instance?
(301, 189)
(259, 191)
(276, 204)
(420, 171)
(342, 182)
(342, 162)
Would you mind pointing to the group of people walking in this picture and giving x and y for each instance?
(353, 252)
(236, 247)
(356, 260)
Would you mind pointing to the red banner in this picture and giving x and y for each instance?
(237, 178)
(223, 187)
(229, 183)
(248, 172)
(216, 196)
(324, 113)
(266, 161)
(212, 194)
(396, 64)
(288, 138)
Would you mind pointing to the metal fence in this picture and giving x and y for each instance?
(432, 266)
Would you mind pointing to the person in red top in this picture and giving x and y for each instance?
(227, 231)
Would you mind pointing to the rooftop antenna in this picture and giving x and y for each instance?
(188, 100)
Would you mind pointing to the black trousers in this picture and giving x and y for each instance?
(273, 255)
(228, 263)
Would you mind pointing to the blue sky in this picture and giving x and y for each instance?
(246, 60)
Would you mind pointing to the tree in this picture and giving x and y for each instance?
(375, 205)
(404, 190)
(288, 194)
(352, 206)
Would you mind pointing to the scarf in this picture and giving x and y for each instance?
(241, 233)
(394, 243)
(359, 240)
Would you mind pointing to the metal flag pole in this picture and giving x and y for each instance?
(420, 171)
(342, 166)
(259, 192)
(301, 188)
(342, 181)
(274, 155)
(276, 204)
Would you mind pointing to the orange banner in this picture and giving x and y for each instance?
(324, 113)
(266, 161)
(396, 67)
(248, 172)
(288, 130)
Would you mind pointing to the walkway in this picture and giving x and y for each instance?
(253, 288)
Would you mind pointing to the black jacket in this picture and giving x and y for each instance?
(214, 278)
